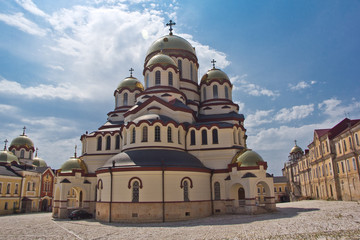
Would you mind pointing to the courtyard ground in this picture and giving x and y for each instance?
(296, 220)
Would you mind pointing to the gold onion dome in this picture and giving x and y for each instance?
(73, 163)
(22, 141)
(162, 59)
(249, 159)
(8, 157)
(170, 42)
(296, 149)
(39, 162)
(214, 74)
(131, 83)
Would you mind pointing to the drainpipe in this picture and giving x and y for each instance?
(163, 190)
(111, 189)
(211, 192)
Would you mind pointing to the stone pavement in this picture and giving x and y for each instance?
(297, 220)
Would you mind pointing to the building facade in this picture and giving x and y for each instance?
(173, 149)
(329, 169)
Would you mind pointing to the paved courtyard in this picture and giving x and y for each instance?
(297, 220)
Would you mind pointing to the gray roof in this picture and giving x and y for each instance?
(280, 179)
(155, 158)
(8, 171)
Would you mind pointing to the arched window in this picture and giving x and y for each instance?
(226, 92)
(204, 93)
(125, 137)
(8, 188)
(30, 154)
(169, 135)
(350, 143)
(144, 134)
(179, 136)
(125, 100)
(357, 139)
(99, 143)
(157, 134)
(135, 191)
(239, 137)
(354, 163)
(191, 72)
(22, 154)
(192, 137)
(133, 135)
(170, 76)
(147, 81)
(217, 190)
(108, 143)
(157, 78)
(117, 142)
(234, 136)
(186, 191)
(204, 137)
(215, 91)
(215, 139)
(180, 67)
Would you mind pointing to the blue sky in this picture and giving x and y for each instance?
(294, 64)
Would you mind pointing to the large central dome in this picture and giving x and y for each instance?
(170, 42)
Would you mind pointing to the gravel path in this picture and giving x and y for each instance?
(296, 220)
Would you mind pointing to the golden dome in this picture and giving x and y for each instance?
(39, 162)
(249, 159)
(130, 83)
(170, 42)
(22, 141)
(73, 163)
(214, 74)
(8, 157)
(162, 59)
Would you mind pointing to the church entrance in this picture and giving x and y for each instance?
(241, 196)
(44, 205)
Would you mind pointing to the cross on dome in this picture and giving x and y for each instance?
(213, 63)
(295, 142)
(131, 71)
(75, 150)
(36, 152)
(24, 128)
(171, 23)
(6, 141)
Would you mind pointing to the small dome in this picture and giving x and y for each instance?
(213, 74)
(162, 59)
(249, 159)
(296, 149)
(131, 83)
(73, 163)
(22, 141)
(8, 157)
(170, 42)
(39, 162)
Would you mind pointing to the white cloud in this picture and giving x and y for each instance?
(240, 83)
(293, 113)
(62, 91)
(31, 7)
(5, 109)
(18, 20)
(56, 67)
(301, 85)
(335, 109)
(260, 117)
(241, 105)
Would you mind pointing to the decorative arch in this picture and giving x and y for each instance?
(100, 184)
(135, 178)
(182, 182)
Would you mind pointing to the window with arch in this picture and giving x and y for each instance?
(226, 92)
(357, 139)
(180, 67)
(125, 99)
(8, 188)
(135, 191)
(117, 142)
(234, 136)
(204, 137)
(157, 134)
(239, 135)
(144, 134)
(170, 78)
(192, 137)
(147, 81)
(186, 191)
(133, 135)
(28, 186)
(179, 137)
(30, 154)
(22, 154)
(0, 187)
(169, 134)
(108, 143)
(157, 78)
(215, 91)
(204, 93)
(191, 72)
(215, 138)
(217, 190)
(345, 148)
(354, 163)
(99, 143)
(6, 206)
(350, 143)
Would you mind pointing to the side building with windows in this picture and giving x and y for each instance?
(172, 150)
(329, 169)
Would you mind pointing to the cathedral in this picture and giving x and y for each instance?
(172, 149)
